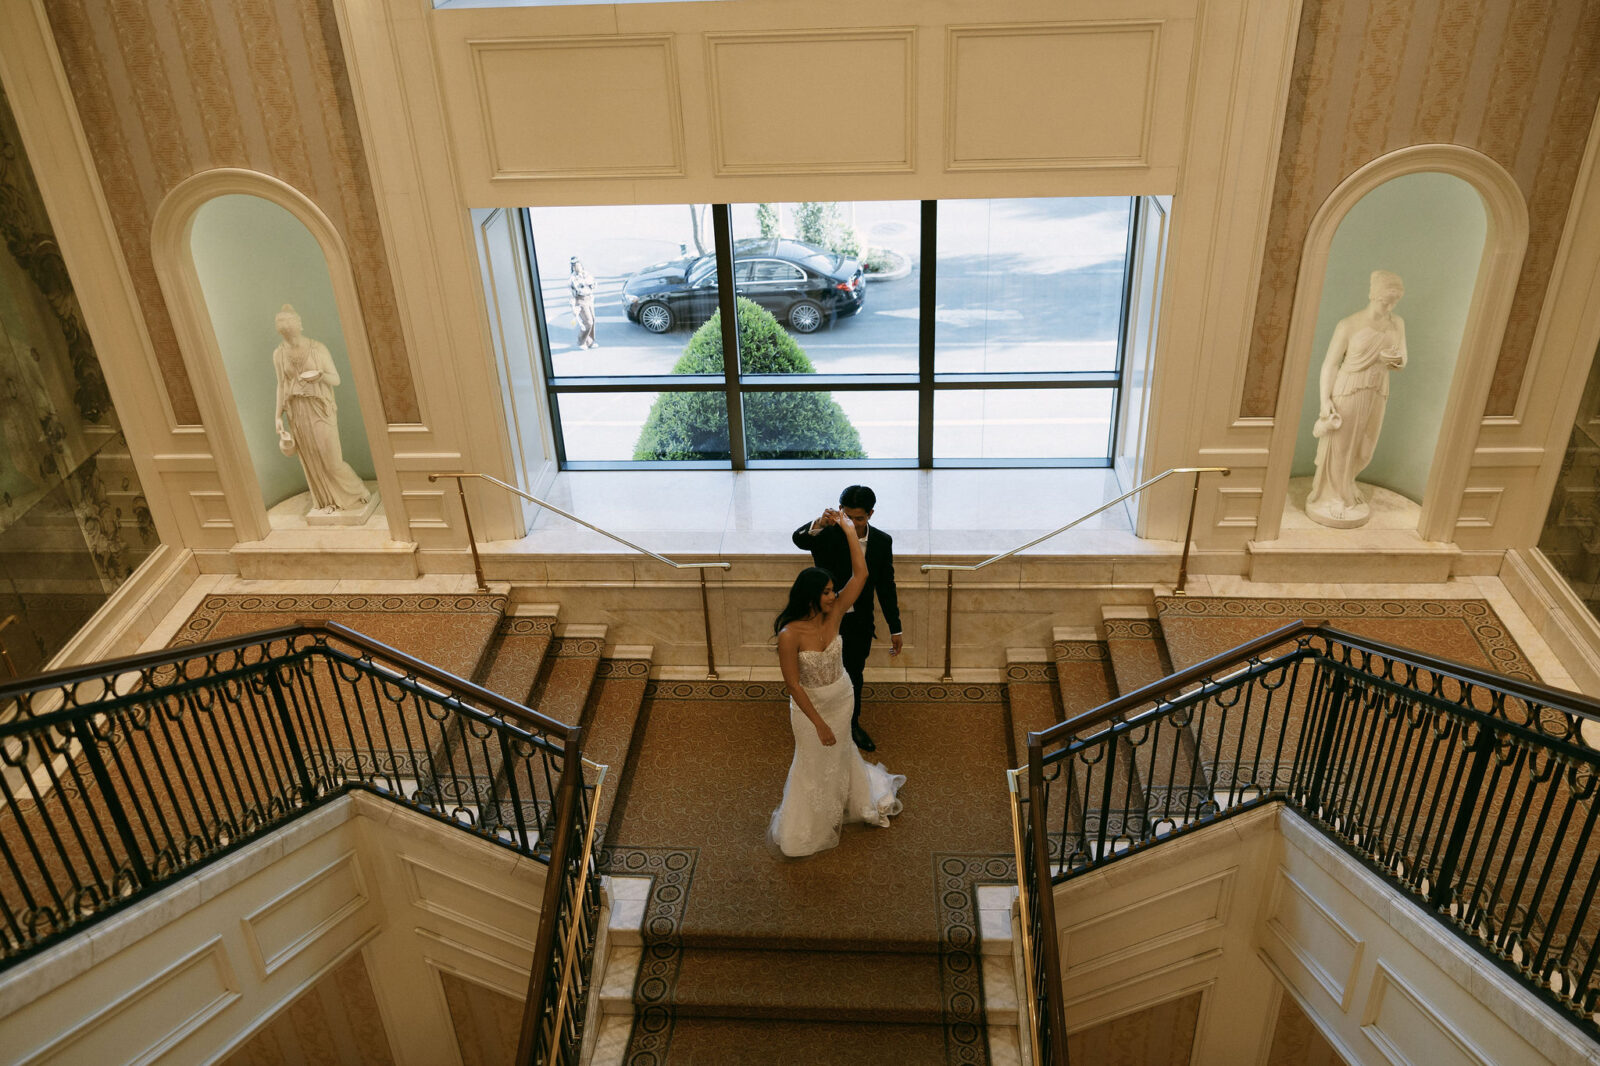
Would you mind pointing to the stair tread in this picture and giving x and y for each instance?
(611, 720)
(809, 985)
(1083, 675)
(798, 1043)
(565, 677)
(1033, 701)
(514, 659)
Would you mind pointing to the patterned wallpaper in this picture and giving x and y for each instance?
(169, 88)
(1296, 1041)
(1162, 1035)
(1517, 80)
(335, 1022)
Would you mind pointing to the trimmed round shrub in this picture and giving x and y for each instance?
(777, 425)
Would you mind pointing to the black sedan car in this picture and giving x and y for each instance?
(801, 284)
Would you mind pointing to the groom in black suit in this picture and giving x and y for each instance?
(831, 551)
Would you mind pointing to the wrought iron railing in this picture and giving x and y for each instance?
(1473, 794)
(120, 777)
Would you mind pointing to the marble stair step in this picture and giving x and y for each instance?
(701, 1041)
(1033, 701)
(1170, 770)
(567, 673)
(514, 657)
(611, 720)
(785, 985)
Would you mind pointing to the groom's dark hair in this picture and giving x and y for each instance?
(858, 496)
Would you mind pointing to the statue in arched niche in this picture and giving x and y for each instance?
(1354, 390)
(306, 378)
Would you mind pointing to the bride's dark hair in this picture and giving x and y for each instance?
(805, 597)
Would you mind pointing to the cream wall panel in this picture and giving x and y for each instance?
(579, 107)
(152, 1018)
(295, 919)
(1052, 96)
(1407, 1029)
(138, 988)
(1182, 911)
(839, 101)
(1317, 939)
(1414, 993)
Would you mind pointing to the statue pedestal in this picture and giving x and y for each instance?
(296, 511)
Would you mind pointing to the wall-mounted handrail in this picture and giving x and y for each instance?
(477, 564)
(1183, 562)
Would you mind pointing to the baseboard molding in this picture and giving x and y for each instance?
(1566, 625)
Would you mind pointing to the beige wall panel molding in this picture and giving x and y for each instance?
(1052, 96)
(172, 255)
(839, 101)
(579, 107)
(492, 914)
(301, 914)
(1406, 1028)
(1180, 913)
(169, 1006)
(1480, 507)
(1493, 294)
(1316, 937)
(211, 508)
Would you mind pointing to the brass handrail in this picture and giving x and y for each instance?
(1025, 915)
(1183, 563)
(483, 586)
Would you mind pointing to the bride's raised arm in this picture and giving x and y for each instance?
(858, 573)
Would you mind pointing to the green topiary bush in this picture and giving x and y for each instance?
(778, 425)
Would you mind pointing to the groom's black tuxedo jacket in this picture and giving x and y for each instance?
(831, 551)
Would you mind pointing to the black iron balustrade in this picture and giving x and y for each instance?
(1472, 793)
(120, 777)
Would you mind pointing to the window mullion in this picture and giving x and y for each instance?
(722, 231)
(927, 300)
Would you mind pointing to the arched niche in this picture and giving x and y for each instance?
(230, 247)
(1460, 386)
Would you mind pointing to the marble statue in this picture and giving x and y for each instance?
(306, 377)
(1354, 389)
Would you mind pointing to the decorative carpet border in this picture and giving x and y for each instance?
(876, 691)
(1129, 628)
(628, 668)
(516, 626)
(1485, 626)
(956, 881)
(1082, 651)
(212, 608)
(1042, 672)
(671, 873)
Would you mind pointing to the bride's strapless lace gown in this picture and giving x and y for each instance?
(828, 786)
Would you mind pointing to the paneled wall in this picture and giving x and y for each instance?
(362, 933)
(1297, 954)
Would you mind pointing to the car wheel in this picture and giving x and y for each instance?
(805, 317)
(657, 317)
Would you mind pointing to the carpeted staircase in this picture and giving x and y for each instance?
(868, 953)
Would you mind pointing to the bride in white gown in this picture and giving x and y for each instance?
(829, 782)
